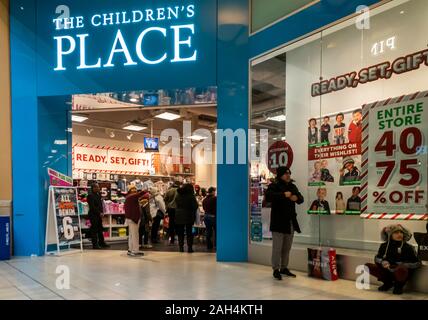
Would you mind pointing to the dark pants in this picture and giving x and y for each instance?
(211, 225)
(171, 229)
(155, 228)
(143, 234)
(398, 277)
(180, 228)
(97, 230)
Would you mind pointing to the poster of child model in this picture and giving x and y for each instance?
(334, 162)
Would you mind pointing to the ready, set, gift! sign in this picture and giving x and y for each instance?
(395, 158)
(89, 158)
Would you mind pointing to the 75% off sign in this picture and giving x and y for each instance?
(397, 158)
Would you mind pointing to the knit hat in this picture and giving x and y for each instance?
(281, 171)
(347, 160)
(389, 230)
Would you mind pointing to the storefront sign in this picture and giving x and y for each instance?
(57, 179)
(384, 70)
(395, 169)
(280, 154)
(150, 43)
(104, 159)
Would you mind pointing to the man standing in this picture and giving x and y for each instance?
(169, 198)
(283, 194)
(133, 217)
(210, 208)
(95, 216)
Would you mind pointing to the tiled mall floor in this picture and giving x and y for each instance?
(158, 275)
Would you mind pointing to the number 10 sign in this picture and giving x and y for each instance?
(394, 158)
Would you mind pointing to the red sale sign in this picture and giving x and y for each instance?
(280, 154)
(394, 159)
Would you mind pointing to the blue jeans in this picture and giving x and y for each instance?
(211, 224)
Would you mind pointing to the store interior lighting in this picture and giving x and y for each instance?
(79, 118)
(135, 127)
(278, 118)
(168, 116)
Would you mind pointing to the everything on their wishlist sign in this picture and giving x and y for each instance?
(394, 158)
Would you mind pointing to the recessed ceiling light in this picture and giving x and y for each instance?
(135, 127)
(279, 118)
(168, 116)
(215, 131)
(76, 118)
(197, 137)
(133, 100)
(54, 151)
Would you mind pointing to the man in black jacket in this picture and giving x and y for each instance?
(95, 211)
(283, 194)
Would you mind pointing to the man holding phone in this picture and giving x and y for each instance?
(283, 194)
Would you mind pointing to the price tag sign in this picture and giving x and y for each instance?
(397, 157)
(67, 215)
(280, 154)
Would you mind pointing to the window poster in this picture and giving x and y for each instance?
(334, 160)
(395, 158)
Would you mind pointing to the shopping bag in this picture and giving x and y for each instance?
(322, 264)
(422, 241)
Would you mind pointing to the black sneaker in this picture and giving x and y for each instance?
(181, 249)
(385, 287)
(104, 245)
(398, 289)
(287, 272)
(277, 275)
(96, 247)
(190, 250)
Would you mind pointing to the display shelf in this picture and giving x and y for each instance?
(119, 226)
(116, 238)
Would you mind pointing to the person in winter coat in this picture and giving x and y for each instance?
(169, 198)
(157, 210)
(133, 217)
(210, 208)
(145, 222)
(396, 259)
(185, 215)
(95, 213)
(283, 195)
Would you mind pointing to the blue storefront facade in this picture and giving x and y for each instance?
(134, 45)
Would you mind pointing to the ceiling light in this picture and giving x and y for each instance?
(76, 118)
(135, 127)
(197, 137)
(168, 116)
(50, 157)
(60, 142)
(54, 151)
(279, 118)
(133, 100)
(215, 131)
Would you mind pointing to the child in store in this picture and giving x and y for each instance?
(354, 202)
(339, 129)
(355, 127)
(396, 260)
(316, 175)
(325, 130)
(325, 173)
(312, 131)
(321, 205)
(340, 203)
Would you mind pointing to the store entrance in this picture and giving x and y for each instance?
(151, 141)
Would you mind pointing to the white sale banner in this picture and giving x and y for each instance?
(395, 158)
(90, 158)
